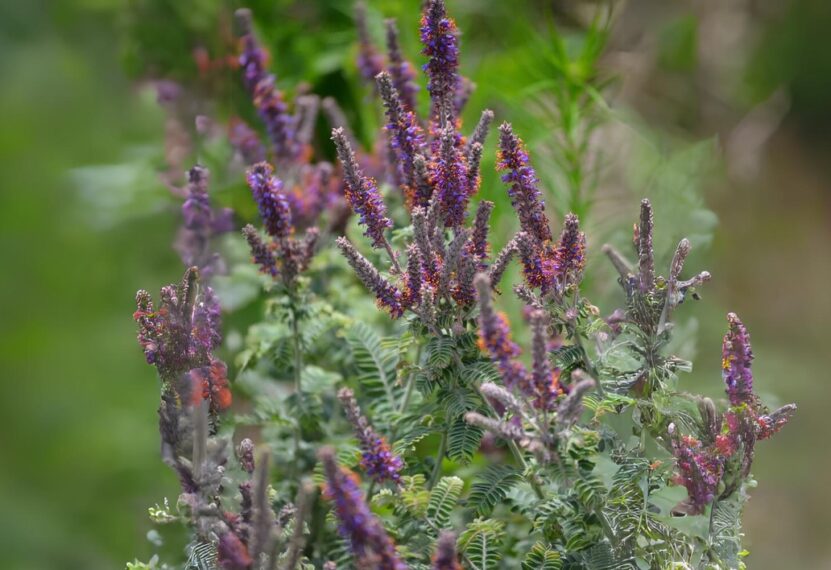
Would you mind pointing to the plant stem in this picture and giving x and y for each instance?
(439, 458)
(405, 402)
(298, 367)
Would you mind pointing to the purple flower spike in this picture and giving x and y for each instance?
(405, 134)
(401, 70)
(246, 141)
(274, 112)
(699, 471)
(252, 59)
(445, 557)
(362, 193)
(526, 198)
(201, 224)
(440, 41)
(196, 210)
(368, 540)
(370, 62)
(736, 360)
(268, 100)
(377, 460)
(180, 334)
(569, 254)
(450, 179)
(271, 202)
(537, 266)
(386, 294)
(495, 339)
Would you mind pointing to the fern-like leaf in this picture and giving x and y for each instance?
(480, 543)
(463, 440)
(443, 499)
(492, 488)
(542, 557)
(376, 367)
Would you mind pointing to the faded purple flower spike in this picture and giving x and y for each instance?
(478, 245)
(386, 294)
(206, 321)
(271, 201)
(246, 141)
(495, 338)
(646, 256)
(274, 112)
(402, 72)
(405, 134)
(450, 179)
(445, 557)
(201, 223)
(362, 193)
(415, 277)
(464, 293)
(337, 119)
(450, 263)
(736, 360)
(377, 460)
(268, 100)
(474, 159)
(196, 210)
(570, 251)
(422, 185)
(440, 41)
(464, 89)
(368, 540)
(480, 132)
(245, 453)
(500, 264)
(525, 196)
(370, 62)
(253, 59)
(261, 253)
(429, 263)
(546, 382)
(770, 424)
(570, 408)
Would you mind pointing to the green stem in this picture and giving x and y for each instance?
(298, 368)
(405, 402)
(439, 458)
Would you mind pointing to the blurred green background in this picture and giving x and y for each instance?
(85, 220)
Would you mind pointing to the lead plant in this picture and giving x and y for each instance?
(582, 453)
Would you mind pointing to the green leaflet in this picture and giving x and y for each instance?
(542, 557)
(463, 440)
(481, 543)
(443, 499)
(492, 487)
